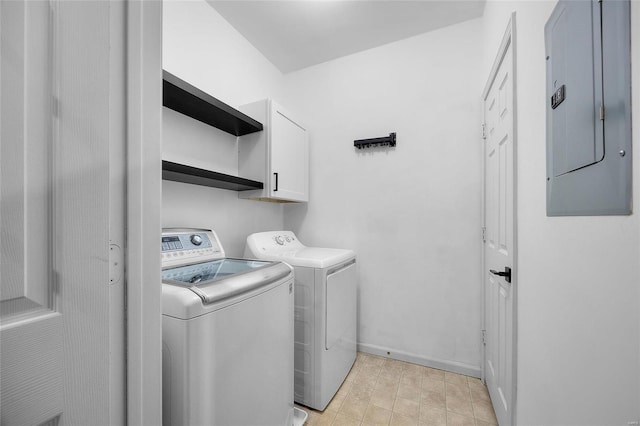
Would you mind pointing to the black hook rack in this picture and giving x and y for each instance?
(368, 143)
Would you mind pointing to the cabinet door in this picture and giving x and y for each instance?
(289, 157)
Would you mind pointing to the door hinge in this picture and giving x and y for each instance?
(484, 131)
(484, 337)
(602, 113)
(116, 264)
(484, 234)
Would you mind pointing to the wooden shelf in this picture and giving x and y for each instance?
(186, 99)
(187, 174)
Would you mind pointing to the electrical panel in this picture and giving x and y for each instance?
(588, 98)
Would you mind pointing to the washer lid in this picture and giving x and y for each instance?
(224, 278)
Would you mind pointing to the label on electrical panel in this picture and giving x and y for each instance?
(558, 97)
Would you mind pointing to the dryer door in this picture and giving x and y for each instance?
(341, 306)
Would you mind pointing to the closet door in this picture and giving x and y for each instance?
(62, 291)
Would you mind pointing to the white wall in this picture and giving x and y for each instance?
(412, 213)
(579, 277)
(200, 47)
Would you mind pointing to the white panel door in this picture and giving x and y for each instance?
(61, 317)
(289, 157)
(499, 239)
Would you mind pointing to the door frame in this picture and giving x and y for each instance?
(508, 40)
(143, 212)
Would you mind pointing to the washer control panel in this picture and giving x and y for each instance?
(182, 246)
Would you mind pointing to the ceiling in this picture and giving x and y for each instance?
(295, 34)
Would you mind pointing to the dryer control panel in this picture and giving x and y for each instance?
(183, 246)
(274, 242)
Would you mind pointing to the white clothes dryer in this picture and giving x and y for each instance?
(227, 332)
(325, 312)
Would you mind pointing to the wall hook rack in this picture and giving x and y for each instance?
(384, 141)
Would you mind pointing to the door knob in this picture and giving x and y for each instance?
(506, 274)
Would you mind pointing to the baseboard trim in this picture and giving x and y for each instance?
(452, 366)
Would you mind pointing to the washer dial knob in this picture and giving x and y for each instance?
(196, 240)
(280, 240)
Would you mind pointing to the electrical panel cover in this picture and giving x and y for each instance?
(588, 89)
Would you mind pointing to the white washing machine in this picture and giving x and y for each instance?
(325, 312)
(227, 331)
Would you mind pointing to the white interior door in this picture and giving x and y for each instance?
(499, 238)
(61, 213)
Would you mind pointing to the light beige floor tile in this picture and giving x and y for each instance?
(414, 369)
(391, 372)
(354, 407)
(386, 389)
(387, 384)
(460, 406)
(376, 415)
(475, 382)
(393, 379)
(408, 365)
(433, 385)
(407, 408)
(394, 363)
(360, 358)
(370, 369)
(317, 418)
(483, 410)
(363, 392)
(381, 390)
(357, 366)
(383, 400)
(432, 416)
(454, 419)
(342, 392)
(348, 382)
(437, 374)
(433, 399)
(455, 378)
(363, 356)
(457, 391)
(400, 420)
(353, 371)
(479, 394)
(344, 420)
(483, 423)
(375, 360)
(429, 370)
(335, 404)
(409, 392)
(364, 380)
(411, 378)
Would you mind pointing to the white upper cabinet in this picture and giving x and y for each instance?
(278, 156)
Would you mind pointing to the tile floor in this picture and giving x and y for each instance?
(381, 391)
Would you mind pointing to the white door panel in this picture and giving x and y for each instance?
(62, 343)
(499, 244)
